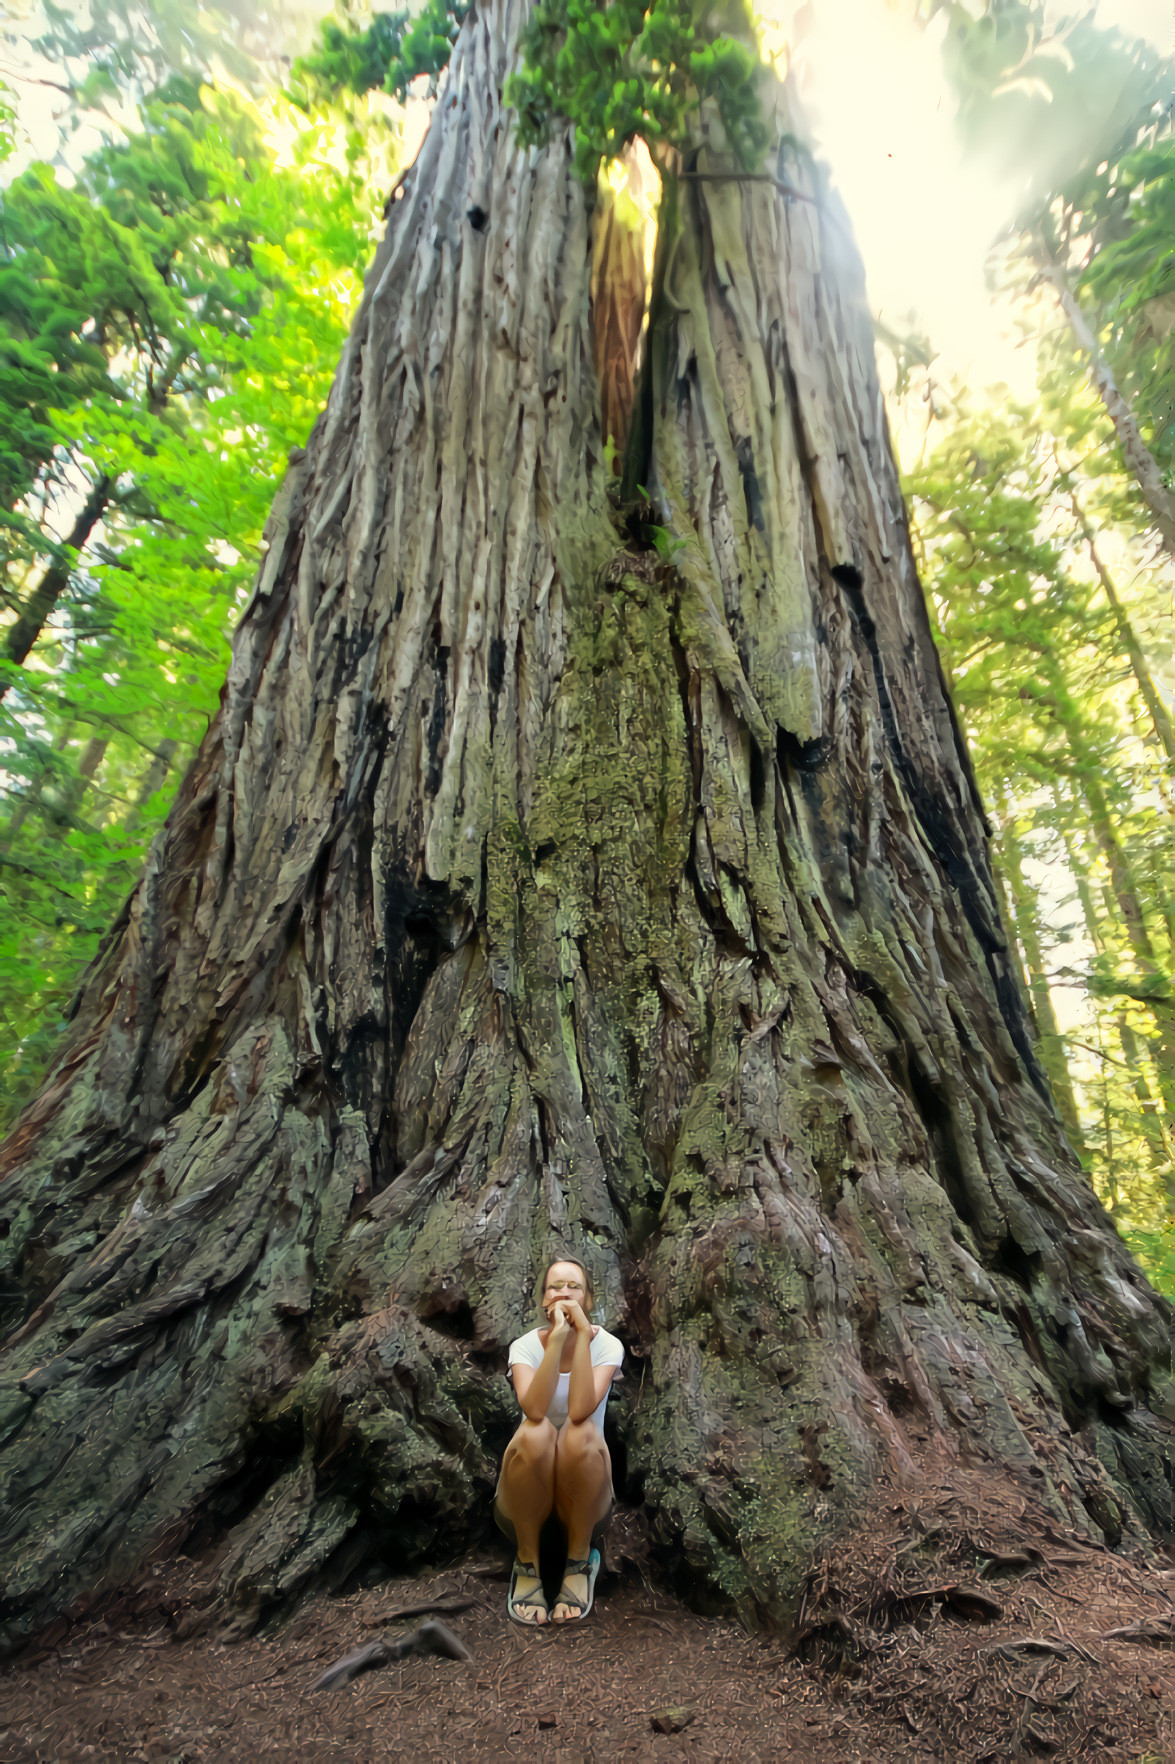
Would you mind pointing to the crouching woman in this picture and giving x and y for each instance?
(557, 1460)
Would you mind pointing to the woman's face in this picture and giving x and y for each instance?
(564, 1281)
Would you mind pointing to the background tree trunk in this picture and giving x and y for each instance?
(1025, 909)
(38, 609)
(1139, 666)
(1134, 1052)
(532, 891)
(1137, 456)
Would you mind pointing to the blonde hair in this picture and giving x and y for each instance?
(572, 1262)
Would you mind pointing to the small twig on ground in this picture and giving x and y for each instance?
(1024, 1726)
(430, 1638)
(1063, 1635)
(1158, 1632)
(1067, 1543)
(996, 1559)
(449, 1606)
(1031, 1644)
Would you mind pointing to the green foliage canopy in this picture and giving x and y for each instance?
(169, 324)
(1041, 671)
(633, 68)
(617, 70)
(1129, 280)
(1081, 118)
(389, 55)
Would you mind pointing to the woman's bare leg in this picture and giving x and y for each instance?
(526, 1494)
(583, 1495)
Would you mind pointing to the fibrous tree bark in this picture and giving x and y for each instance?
(547, 882)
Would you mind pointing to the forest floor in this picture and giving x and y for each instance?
(957, 1622)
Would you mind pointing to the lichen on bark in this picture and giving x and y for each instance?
(543, 887)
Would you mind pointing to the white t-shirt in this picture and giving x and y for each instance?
(528, 1350)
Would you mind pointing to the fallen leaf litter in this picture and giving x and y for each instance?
(954, 1623)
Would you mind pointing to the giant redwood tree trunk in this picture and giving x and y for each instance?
(541, 887)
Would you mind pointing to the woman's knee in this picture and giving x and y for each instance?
(534, 1441)
(581, 1440)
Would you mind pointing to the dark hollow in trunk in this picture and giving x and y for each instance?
(540, 887)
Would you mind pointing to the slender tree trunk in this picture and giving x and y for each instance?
(1153, 990)
(32, 797)
(153, 781)
(1156, 709)
(1025, 910)
(1156, 1094)
(30, 621)
(1111, 1164)
(92, 755)
(1134, 1052)
(61, 807)
(534, 891)
(1157, 1134)
(1121, 875)
(1139, 459)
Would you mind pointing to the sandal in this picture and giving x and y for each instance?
(534, 1600)
(590, 1568)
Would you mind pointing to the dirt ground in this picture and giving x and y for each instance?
(957, 1623)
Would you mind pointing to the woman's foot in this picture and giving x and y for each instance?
(577, 1591)
(526, 1602)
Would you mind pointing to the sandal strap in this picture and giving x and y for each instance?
(566, 1596)
(535, 1599)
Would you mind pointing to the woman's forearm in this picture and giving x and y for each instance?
(581, 1386)
(541, 1389)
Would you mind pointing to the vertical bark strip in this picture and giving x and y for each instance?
(531, 891)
